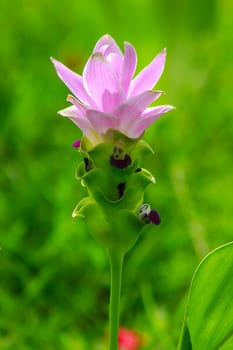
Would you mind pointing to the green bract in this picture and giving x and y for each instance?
(115, 184)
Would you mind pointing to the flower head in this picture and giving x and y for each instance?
(128, 339)
(107, 96)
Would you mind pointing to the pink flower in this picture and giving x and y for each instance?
(128, 340)
(107, 96)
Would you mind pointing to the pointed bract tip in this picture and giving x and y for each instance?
(63, 113)
(53, 60)
(153, 180)
(127, 43)
(107, 36)
(70, 98)
(159, 92)
(156, 92)
(76, 214)
(106, 39)
(60, 112)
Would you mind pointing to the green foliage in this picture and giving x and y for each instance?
(209, 322)
(54, 277)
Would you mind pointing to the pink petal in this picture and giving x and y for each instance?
(149, 76)
(80, 107)
(100, 121)
(107, 40)
(73, 81)
(129, 66)
(147, 119)
(69, 112)
(102, 83)
(115, 61)
(128, 112)
(83, 123)
(151, 111)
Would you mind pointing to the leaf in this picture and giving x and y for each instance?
(185, 342)
(209, 316)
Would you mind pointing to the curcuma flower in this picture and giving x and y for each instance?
(107, 96)
(111, 107)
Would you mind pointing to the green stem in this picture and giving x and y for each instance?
(116, 263)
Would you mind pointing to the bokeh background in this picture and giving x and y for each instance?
(54, 278)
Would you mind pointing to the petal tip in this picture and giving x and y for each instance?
(53, 60)
(127, 43)
(107, 36)
(161, 92)
(172, 107)
(60, 113)
(168, 108)
(65, 112)
(156, 92)
(69, 98)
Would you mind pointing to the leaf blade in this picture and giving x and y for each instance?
(209, 317)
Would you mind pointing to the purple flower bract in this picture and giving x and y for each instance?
(107, 96)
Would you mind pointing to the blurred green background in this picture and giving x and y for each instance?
(54, 278)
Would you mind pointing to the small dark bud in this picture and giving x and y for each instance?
(154, 217)
(137, 170)
(147, 215)
(88, 164)
(121, 189)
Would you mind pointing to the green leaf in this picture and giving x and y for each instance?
(209, 316)
(185, 342)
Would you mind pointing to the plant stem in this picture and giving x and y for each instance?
(116, 263)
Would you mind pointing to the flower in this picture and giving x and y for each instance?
(107, 96)
(128, 339)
